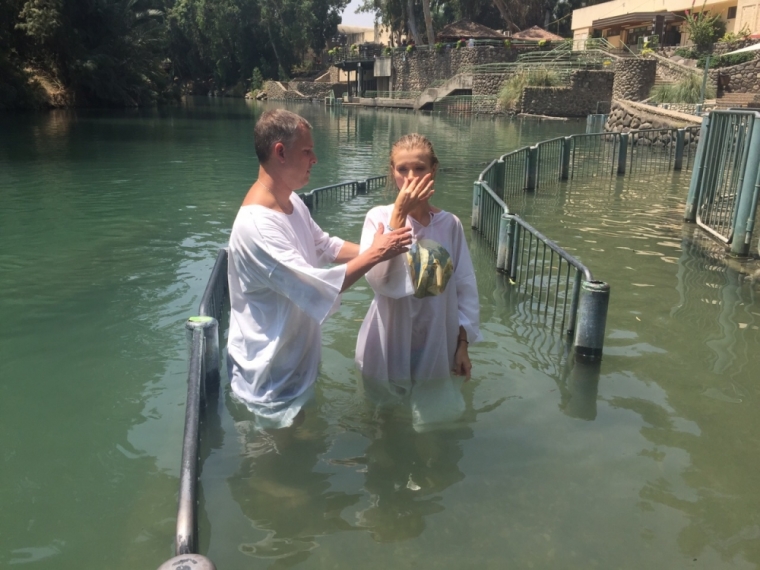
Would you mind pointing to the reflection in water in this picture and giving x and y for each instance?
(405, 473)
(280, 490)
(284, 483)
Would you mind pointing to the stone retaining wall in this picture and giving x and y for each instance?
(485, 89)
(277, 91)
(415, 71)
(634, 78)
(743, 78)
(627, 116)
(312, 89)
(579, 99)
(722, 47)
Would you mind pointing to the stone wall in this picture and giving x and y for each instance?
(671, 70)
(417, 70)
(578, 99)
(312, 89)
(634, 78)
(624, 114)
(722, 47)
(627, 116)
(688, 108)
(743, 78)
(277, 91)
(485, 89)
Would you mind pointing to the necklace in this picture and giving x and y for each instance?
(285, 209)
(264, 185)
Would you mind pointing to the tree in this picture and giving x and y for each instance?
(428, 22)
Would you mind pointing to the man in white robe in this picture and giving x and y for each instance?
(281, 288)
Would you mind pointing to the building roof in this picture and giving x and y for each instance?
(537, 34)
(467, 29)
(633, 18)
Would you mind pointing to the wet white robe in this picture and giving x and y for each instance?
(406, 341)
(280, 294)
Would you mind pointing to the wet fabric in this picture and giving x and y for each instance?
(409, 336)
(280, 294)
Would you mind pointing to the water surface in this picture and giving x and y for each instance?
(108, 229)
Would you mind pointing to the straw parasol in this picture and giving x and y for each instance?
(467, 29)
(537, 34)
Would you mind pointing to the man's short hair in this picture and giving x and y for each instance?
(276, 125)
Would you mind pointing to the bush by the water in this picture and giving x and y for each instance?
(512, 90)
(685, 91)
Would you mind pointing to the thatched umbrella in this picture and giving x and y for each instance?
(465, 29)
(537, 34)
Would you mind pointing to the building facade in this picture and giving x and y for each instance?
(623, 22)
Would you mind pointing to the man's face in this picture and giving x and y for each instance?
(299, 159)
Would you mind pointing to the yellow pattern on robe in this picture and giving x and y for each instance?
(431, 268)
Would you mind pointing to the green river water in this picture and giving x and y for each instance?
(109, 225)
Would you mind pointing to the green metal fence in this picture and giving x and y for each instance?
(341, 192)
(559, 290)
(550, 277)
(725, 181)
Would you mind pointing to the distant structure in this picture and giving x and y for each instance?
(466, 29)
(622, 22)
(537, 34)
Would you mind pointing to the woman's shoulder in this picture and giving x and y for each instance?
(446, 217)
(380, 212)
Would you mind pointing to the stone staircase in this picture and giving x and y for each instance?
(461, 83)
(736, 100)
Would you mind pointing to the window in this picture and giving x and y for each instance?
(731, 13)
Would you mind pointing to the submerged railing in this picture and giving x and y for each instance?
(561, 291)
(335, 193)
(590, 155)
(202, 389)
(725, 182)
(550, 277)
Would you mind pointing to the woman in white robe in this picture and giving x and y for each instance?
(414, 339)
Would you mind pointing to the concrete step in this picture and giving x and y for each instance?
(728, 100)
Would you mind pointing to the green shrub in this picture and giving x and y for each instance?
(439, 47)
(730, 37)
(461, 44)
(257, 79)
(387, 51)
(725, 60)
(410, 48)
(704, 29)
(686, 53)
(508, 44)
(685, 91)
(512, 90)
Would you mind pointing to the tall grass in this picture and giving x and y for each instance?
(510, 93)
(687, 90)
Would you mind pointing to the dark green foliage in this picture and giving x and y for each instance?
(137, 52)
(257, 80)
(687, 53)
(725, 60)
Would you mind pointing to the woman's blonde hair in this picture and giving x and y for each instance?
(412, 141)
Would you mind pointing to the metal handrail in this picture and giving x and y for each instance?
(341, 191)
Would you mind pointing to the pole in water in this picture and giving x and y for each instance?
(210, 328)
(188, 561)
(592, 319)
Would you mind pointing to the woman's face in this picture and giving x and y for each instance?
(409, 164)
